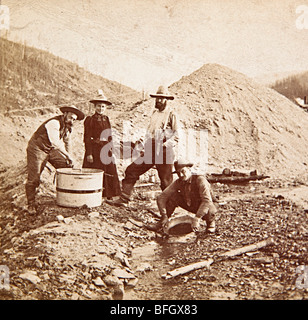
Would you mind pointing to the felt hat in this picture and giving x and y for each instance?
(101, 98)
(181, 163)
(162, 92)
(73, 109)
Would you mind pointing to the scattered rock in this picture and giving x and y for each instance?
(122, 274)
(93, 214)
(131, 283)
(68, 220)
(144, 266)
(136, 223)
(60, 218)
(112, 280)
(99, 282)
(30, 276)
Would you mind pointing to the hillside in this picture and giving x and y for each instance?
(33, 78)
(142, 43)
(294, 86)
(249, 125)
(34, 83)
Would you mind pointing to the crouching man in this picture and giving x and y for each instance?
(191, 192)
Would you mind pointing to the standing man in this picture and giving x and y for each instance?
(191, 192)
(97, 136)
(50, 143)
(161, 137)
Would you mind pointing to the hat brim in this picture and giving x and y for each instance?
(100, 100)
(181, 166)
(161, 96)
(80, 114)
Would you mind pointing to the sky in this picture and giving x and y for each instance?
(145, 43)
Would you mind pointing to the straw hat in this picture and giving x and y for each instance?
(73, 109)
(162, 92)
(101, 98)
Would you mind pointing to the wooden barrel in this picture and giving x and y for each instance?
(78, 187)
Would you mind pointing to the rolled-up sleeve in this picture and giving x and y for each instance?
(204, 190)
(167, 194)
(53, 132)
(172, 130)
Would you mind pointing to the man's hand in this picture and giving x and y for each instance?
(70, 161)
(196, 224)
(164, 223)
(90, 158)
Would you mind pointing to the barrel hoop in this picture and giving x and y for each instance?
(78, 191)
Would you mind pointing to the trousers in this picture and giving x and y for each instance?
(36, 162)
(178, 201)
(162, 160)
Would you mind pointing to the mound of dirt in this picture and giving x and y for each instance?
(250, 126)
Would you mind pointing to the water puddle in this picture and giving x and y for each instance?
(149, 262)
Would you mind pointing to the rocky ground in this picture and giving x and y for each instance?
(107, 253)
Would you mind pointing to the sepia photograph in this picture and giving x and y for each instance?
(154, 150)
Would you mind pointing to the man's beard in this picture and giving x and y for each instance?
(160, 106)
(68, 124)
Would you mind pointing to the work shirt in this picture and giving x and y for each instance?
(163, 128)
(194, 194)
(53, 134)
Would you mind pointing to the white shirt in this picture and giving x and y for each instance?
(53, 132)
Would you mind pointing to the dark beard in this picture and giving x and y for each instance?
(160, 106)
(68, 124)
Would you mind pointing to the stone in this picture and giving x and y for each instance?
(93, 214)
(131, 283)
(112, 280)
(145, 266)
(30, 276)
(99, 282)
(60, 218)
(121, 273)
(68, 220)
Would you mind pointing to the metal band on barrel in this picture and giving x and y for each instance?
(78, 191)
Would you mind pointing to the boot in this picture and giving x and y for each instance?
(120, 202)
(154, 226)
(32, 209)
(127, 190)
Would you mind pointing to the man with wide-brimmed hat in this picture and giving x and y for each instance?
(50, 143)
(98, 146)
(161, 137)
(191, 192)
